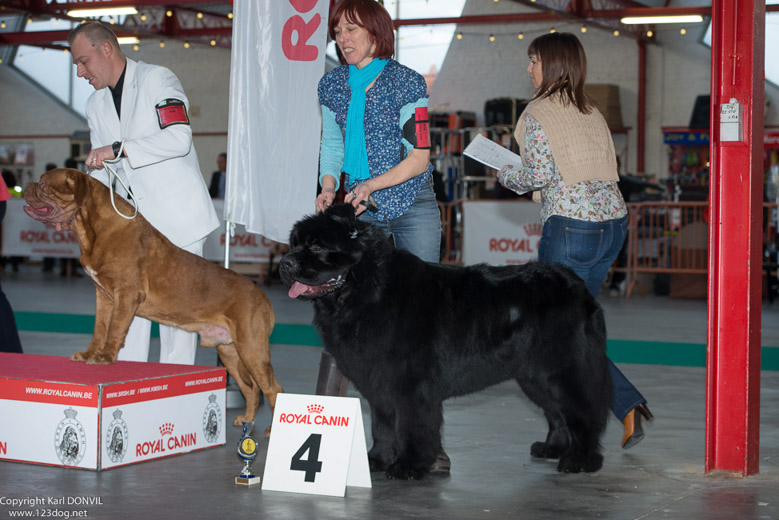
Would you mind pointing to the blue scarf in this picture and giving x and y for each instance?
(355, 152)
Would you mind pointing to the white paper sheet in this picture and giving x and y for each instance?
(491, 153)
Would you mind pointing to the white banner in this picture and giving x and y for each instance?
(24, 236)
(500, 233)
(278, 56)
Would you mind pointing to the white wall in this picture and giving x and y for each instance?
(678, 69)
(204, 72)
(30, 117)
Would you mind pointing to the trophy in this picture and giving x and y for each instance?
(247, 452)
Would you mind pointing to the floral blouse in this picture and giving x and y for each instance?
(593, 201)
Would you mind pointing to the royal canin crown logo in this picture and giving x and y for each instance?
(534, 228)
(166, 429)
(315, 408)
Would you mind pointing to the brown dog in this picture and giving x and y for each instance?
(137, 271)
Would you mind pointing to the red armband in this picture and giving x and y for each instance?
(171, 112)
(422, 128)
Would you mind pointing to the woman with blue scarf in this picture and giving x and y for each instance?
(375, 132)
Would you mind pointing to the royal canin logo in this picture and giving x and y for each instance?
(163, 445)
(315, 417)
(534, 228)
(315, 408)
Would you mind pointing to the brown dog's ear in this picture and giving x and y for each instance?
(79, 186)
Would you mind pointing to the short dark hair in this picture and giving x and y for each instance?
(96, 32)
(372, 17)
(564, 66)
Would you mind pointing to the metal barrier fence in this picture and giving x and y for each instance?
(663, 237)
(672, 238)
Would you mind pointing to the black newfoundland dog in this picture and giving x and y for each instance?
(409, 334)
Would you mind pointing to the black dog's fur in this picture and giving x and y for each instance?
(409, 334)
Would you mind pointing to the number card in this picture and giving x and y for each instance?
(317, 446)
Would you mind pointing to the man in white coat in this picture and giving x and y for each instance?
(139, 112)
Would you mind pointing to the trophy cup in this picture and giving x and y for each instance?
(247, 452)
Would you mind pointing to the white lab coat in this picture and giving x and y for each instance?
(161, 165)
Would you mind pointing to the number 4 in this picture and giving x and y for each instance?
(312, 465)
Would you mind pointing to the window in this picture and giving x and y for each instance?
(771, 44)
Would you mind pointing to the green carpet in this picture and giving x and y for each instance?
(620, 351)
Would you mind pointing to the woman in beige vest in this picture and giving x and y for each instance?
(570, 165)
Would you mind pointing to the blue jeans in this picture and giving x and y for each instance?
(589, 248)
(418, 230)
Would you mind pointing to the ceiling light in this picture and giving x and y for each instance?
(687, 18)
(136, 47)
(683, 31)
(492, 37)
(520, 36)
(97, 13)
(127, 40)
(186, 45)
(459, 36)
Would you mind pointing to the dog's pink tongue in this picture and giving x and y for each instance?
(297, 289)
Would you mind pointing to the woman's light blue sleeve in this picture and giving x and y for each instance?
(331, 149)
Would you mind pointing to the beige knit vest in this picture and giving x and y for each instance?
(581, 144)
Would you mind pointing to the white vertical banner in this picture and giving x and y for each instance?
(278, 57)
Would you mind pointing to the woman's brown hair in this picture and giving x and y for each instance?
(564, 66)
(372, 17)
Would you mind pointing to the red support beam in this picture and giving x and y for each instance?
(641, 123)
(735, 240)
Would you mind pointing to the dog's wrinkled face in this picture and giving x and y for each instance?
(323, 249)
(56, 197)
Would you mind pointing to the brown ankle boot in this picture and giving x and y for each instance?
(634, 431)
(331, 381)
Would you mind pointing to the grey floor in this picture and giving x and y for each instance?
(487, 436)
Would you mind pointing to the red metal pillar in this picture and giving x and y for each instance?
(735, 242)
(641, 124)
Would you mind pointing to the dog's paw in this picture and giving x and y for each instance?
(578, 463)
(377, 465)
(101, 358)
(80, 356)
(239, 420)
(542, 450)
(398, 471)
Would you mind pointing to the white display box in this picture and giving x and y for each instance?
(66, 413)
